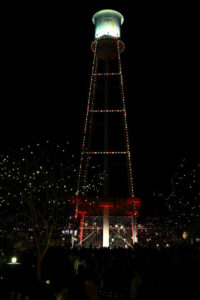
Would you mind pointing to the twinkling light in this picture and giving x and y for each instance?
(106, 74)
(183, 200)
(43, 173)
(107, 152)
(86, 123)
(125, 121)
(106, 110)
(90, 110)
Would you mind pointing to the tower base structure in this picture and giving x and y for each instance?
(110, 224)
(106, 231)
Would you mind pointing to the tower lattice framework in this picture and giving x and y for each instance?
(106, 48)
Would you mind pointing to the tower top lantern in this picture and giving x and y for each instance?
(107, 23)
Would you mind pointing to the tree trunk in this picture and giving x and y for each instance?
(39, 269)
(40, 257)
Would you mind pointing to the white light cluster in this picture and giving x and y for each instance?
(107, 27)
(107, 23)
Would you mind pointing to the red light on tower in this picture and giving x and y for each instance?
(137, 202)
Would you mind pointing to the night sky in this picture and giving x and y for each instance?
(46, 64)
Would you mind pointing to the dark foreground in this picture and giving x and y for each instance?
(142, 273)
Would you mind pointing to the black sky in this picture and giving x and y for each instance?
(45, 67)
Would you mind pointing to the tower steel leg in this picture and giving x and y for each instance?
(106, 158)
(134, 229)
(82, 226)
(106, 226)
(106, 129)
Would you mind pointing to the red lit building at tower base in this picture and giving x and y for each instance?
(109, 218)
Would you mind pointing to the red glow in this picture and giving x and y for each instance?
(129, 213)
(137, 201)
(76, 200)
(130, 201)
(82, 212)
(106, 205)
(136, 213)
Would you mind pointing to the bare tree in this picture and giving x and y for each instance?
(41, 177)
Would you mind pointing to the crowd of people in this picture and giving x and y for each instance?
(85, 273)
(163, 263)
(137, 274)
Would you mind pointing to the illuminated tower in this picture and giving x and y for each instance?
(110, 148)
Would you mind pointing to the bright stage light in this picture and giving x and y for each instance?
(185, 235)
(14, 260)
